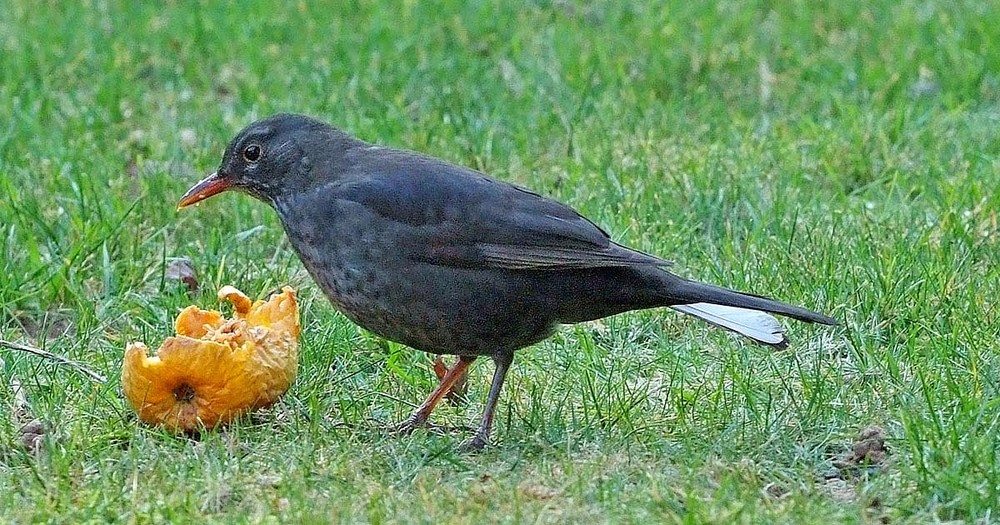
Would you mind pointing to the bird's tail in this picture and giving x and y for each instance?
(740, 312)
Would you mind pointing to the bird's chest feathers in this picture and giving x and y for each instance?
(343, 253)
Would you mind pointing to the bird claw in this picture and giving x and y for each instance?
(406, 427)
(474, 445)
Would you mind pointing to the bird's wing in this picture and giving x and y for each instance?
(463, 218)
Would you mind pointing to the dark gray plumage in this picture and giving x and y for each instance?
(447, 260)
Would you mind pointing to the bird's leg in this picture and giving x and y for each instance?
(420, 415)
(482, 435)
(461, 387)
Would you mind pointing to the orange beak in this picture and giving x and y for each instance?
(208, 186)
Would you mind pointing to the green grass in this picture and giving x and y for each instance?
(840, 155)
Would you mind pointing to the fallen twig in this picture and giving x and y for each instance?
(54, 357)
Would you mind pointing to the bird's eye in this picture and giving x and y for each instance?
(252, 153)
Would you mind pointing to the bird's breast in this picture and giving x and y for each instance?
(362, 264)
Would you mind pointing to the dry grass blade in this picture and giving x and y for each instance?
(54, 357)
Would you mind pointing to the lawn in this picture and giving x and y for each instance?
(840, 155)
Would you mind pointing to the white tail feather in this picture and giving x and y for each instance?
(758, 326)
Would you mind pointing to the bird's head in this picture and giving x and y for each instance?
(268, 158)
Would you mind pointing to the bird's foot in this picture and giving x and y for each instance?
(407, 426)
(410, 424)
(474, 445)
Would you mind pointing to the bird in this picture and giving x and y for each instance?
(447, 260)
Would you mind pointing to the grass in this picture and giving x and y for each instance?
(841, 155)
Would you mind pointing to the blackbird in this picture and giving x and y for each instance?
(447, 260)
